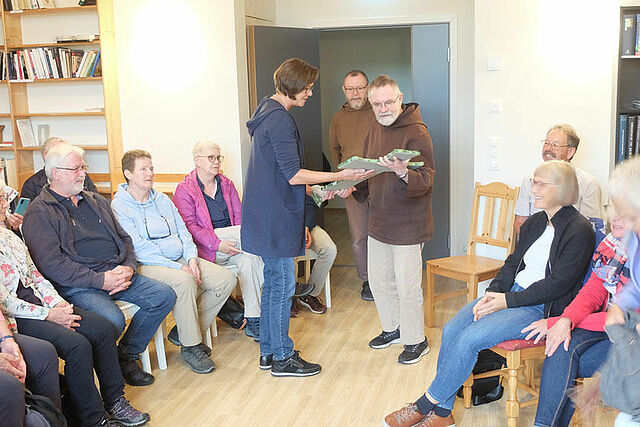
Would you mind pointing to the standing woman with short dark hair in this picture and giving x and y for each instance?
(273, 210)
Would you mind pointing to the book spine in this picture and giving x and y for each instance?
(84, 59)
(622, 137)
(628, 43)
(631, 133)
(637, 49)
(95, 63)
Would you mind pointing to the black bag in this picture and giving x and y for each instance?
(232, 313)
(620, 382)
(485, 390)
(41, 412)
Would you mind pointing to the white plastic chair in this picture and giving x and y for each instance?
(307, 257)
(129, 309)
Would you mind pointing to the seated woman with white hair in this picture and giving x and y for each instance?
(210, 207)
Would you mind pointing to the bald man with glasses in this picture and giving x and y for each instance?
(561, 143)
(349, 127)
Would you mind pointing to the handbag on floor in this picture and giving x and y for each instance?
(41, 412)
(485, 390)
(620, 382)
(232, 313)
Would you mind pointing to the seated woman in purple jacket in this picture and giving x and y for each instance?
(210, 207)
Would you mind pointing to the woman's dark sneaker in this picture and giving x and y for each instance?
(253, 328)
(413, 353)
(294, 366)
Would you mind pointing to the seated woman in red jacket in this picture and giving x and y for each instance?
(580, 329)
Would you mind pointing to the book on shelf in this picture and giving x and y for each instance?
(631, 135)
(77, 38)
(628, 42)
(25, 129)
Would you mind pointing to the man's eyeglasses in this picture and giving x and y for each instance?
(388, 104)
(212, 158)
(553, 145)
(76, 169)
(355, 89)
(308, 89)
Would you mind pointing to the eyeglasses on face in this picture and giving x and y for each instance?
(77, 169)
(355, 89)
(538, 183)
(554, 145)
(212, 158)
(388, 104)
(309, 88)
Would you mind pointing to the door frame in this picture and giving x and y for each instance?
(458, 234)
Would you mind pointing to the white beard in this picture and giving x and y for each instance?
(387, 120)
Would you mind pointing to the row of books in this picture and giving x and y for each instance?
(630, 43)
(27, 4)
(628, 137)
(49, 63)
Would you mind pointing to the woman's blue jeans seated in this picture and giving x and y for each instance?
(463, 339)
(587, 351)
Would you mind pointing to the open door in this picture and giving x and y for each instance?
(267, 48)
(430, 78)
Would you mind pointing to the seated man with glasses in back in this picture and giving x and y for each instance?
(166, 252)
(79, 246)
(561, 143)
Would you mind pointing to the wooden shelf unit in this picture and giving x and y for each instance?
(18, 90)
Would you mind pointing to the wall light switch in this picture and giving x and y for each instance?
(494, 63)
(495, 106)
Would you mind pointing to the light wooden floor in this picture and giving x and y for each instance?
(357, 387)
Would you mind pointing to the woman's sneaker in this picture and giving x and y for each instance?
(294, 366)
(413, 353)
(385, 339)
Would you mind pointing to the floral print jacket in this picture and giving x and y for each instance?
(15, 266)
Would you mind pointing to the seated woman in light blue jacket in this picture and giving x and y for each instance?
(166, 252)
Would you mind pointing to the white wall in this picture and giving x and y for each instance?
(354, 13)
(559, 63)
(182, 76)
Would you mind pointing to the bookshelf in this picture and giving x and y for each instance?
(85, 111)
(627, 115)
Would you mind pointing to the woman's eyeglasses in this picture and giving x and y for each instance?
(160, 235)
(212, 158)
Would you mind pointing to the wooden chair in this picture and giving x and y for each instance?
(471, 268)
(519, 354)
(306, 258)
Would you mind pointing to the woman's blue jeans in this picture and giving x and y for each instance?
(463, 339)
(279, 287)
(587, 351)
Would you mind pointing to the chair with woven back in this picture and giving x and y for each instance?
(495, 231)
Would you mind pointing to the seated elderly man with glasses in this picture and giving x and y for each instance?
(561, 143)
(79, 246)
(166, 252)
